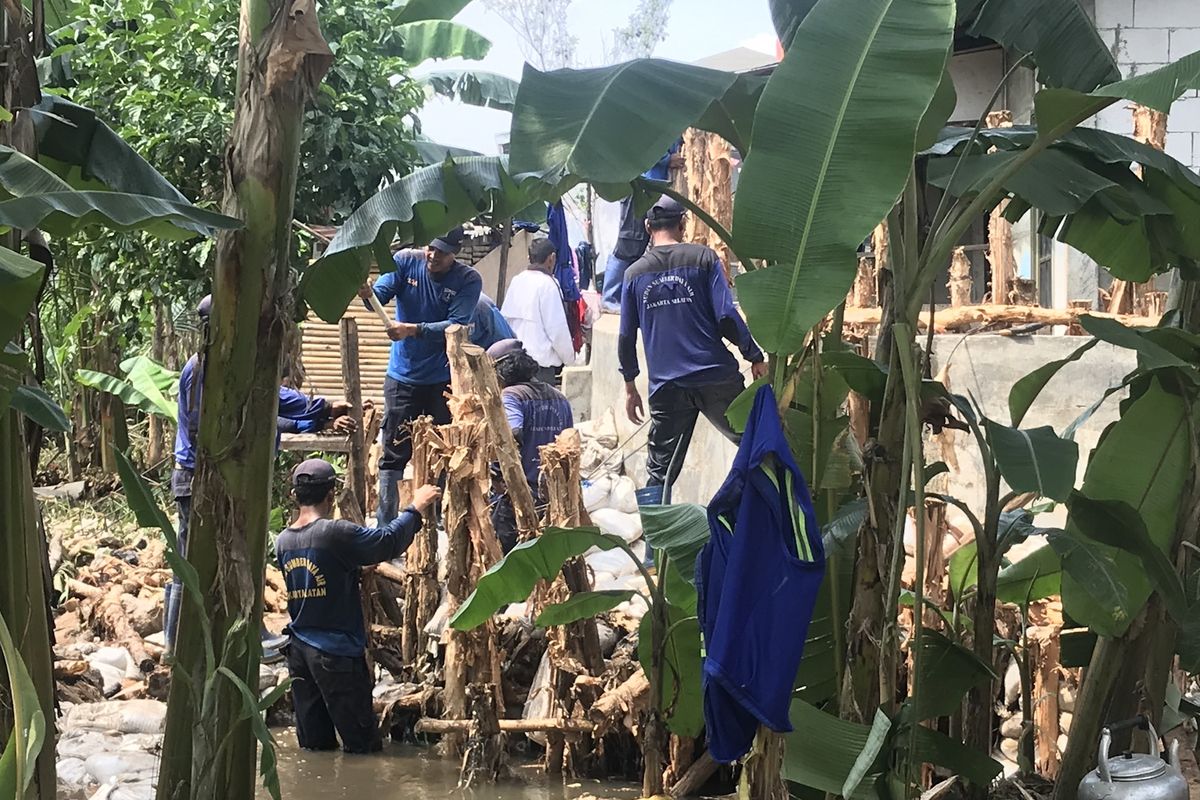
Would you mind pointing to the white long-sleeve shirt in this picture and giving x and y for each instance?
(533, 307)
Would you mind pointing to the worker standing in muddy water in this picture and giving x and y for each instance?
(678, 296)
(298, 413)
(537, 414)
(433, 290)
(321, 559)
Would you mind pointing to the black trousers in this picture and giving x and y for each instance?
(331, 693)
(673, 413)
(403, 403)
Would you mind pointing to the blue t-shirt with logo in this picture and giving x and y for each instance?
(432, 302)
(537, 414)
(321, 563)
(678, 296)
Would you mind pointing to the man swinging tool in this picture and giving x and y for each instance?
(677, 295)
(433, 290)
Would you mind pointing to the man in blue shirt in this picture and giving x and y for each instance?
(297, 414)
(433, 290)
(677, 294)
(631, 236)
(537, 414)
(489, 326)
(321, 560)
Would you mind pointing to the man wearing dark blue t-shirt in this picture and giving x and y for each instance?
(537, 414)
(433, 290)
(321, 560)
(679, 298)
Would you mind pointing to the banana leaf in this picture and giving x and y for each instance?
(29, 732)
(37, 405)
(1034, 460)
(582, 605)
(418, 10)
(856, 80)
(1143, 460)
(37, 198)
(682, 695)
(474, 87)
(144, 388)
(417, 208)
(20, 281)
(595, 123)
(1025, 391)
(513, 578)
(438, 38)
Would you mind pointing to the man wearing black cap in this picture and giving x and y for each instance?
(321, 559)
(298, 413)
(677, 294)
(537, 414)
(433, 291)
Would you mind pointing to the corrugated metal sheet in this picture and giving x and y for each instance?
(320, 352)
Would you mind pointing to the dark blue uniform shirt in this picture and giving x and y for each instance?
(537, 413)
(321, 563)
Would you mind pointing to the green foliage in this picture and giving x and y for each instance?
(428, 39)
(20, 279)
(582, 605)
(421, 205)
(146, 386)
(512, 578)
(29, 729)
(682, 697)
(880, 75)
(1025, 391)
(254, 710)
(1034, 460)
(37, 405)
(474, 87)
(1143, 460)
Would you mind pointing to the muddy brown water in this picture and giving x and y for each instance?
(405, 772)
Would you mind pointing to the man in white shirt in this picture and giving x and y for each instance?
(534, 308)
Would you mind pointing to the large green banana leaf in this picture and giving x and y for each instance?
(857, 81)
(20, 280)
(441, 39)
(1143, 460)
(82, 150)
(432, 152)
(34, 197)
(26, 737)
(608, 125)
(474, 87)
(1034, 460)
(1090, 197)
(1058, 36)
(418, 10)
(417, 208)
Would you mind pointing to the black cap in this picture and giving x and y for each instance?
(666, 208)
(451, 243)
(314, 472)
(504, 348)
(205, 307)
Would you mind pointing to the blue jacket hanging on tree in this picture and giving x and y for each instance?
(757, 579)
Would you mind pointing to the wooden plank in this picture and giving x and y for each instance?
(314, 441)
(356, 472)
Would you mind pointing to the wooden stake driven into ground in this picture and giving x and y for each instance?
(422, 592)
(356, 462)
(574, 649)
(1000, 234)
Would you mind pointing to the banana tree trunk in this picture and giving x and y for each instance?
(209, 750)
(23, 590)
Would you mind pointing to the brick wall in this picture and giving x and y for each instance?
(1144, 35)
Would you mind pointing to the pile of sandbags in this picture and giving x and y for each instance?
(111, 750)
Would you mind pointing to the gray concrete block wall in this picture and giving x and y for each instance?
(1143, 36)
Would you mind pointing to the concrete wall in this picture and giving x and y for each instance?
(1145, 35)
(983, 366)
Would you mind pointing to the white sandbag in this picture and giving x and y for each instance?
(538, 704)
(72, 774)
(516, 611)
(613, 562)
(602, 580)
(118, 657)
(105, 767)
(596, 492)
(125, 716)
(634, 582)
(437, 623)
(615, 523)
(110, 677)
(623, 496)
(138, 790)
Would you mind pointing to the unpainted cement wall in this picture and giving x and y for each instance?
(983, 366)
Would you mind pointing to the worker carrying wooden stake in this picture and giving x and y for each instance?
(678, 297)
(433, 290)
